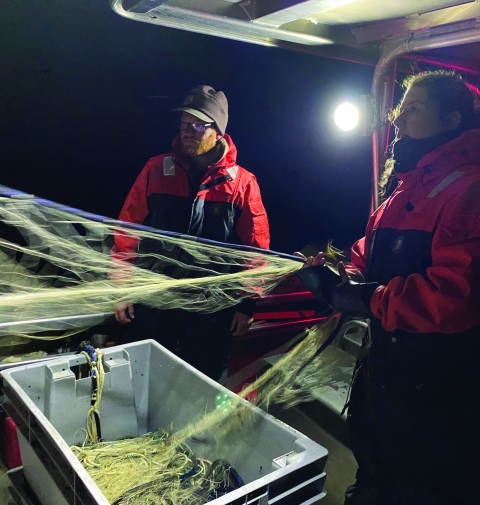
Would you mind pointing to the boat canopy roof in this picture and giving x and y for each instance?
(356, 30)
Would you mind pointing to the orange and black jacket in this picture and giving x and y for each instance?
(226, 206)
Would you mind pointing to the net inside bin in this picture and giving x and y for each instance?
(60, 264)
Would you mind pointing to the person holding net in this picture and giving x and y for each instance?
(198, 190)
(414, 404)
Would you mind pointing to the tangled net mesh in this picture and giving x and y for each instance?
(63, 266)
(150, 471)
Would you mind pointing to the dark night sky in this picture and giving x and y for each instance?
(85, 100)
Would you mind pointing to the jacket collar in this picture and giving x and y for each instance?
(462, 150)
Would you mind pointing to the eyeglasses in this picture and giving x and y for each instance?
(196, 127)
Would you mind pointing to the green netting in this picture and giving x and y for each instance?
(61, 265)
(64, 267)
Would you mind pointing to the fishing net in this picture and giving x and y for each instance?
(147, 469)
(63, 266)
(160, 467)
(61, 263)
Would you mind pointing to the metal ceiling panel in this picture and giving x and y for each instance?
(382, 31)
(273, 14)
(160, 13)
(368, 11)
(320, 27)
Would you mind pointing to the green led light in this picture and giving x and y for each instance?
(223, 401)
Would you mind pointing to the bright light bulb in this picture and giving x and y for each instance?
(346, 116)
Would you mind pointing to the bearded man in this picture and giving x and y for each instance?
(198, 189)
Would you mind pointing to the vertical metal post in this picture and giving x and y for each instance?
(388, 97)
(382, 103)
(383, 87)
(375, 157)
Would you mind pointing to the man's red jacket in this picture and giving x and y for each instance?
(227, 206)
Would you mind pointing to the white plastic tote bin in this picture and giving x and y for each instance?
(147, 388)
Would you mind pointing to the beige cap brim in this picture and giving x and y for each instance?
(195, 113)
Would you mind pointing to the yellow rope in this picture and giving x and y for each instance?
(96, 368)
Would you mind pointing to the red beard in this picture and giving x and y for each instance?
(200, 147)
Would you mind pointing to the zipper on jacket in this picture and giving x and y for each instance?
(211, 184)
(191, 214)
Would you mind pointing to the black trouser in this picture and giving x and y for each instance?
(202, 340)
(413, 445)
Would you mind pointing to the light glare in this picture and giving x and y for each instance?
(346, 116)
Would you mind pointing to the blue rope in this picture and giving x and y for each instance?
(92, 354)
(93, 357)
